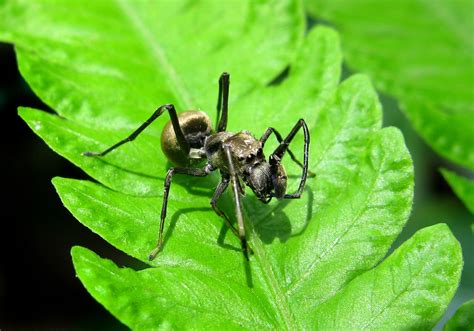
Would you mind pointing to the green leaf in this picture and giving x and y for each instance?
(412, 282)
(134, 167)
(172, 296)
(463, 187)
(409, 290)
(113, 62)
(463, 319)
(367, 170)
(419, 52)
(306, 251)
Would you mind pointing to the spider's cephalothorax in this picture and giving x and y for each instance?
(188, 138)
(249, 162)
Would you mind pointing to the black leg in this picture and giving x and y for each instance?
(267, 134)
(222, 102)
(279, 152)
(238, 205)
(215, 198)
(217, 194)
(185, 171)
(183, 144)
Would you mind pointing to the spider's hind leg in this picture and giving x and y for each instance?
(174, 120)
(169, 176)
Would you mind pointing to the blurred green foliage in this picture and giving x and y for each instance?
(422, 54)
(463, 319)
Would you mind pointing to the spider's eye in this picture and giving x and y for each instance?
(213, 147)
(241, 158)
(259, 152)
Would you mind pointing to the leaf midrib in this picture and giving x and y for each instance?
(157, 52)
(281, 300)
(281, 296)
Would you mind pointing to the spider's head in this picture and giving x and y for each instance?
(258, 177)
(266, 180)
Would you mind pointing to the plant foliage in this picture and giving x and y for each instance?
(420, 52)
(463, 187)
(319, 260)
(463, 319)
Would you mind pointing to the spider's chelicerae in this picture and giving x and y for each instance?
(189, 138)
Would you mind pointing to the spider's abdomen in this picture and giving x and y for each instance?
(196, 126)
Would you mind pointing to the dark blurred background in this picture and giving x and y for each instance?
(38, 287)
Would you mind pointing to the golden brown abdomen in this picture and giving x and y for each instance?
(196, 126)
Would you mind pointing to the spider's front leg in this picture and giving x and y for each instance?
(215, 198)
(267, 134)
(238, 206)
(279, 152)
(169, 176)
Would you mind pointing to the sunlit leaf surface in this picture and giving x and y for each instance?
(311, 255)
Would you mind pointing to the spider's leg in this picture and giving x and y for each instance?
(279, 152)
(238, 205)
(183, 144)
(185, 171)
(222, 102)
(267, 134)
(215, 198)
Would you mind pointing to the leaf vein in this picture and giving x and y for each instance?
(158, 53)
